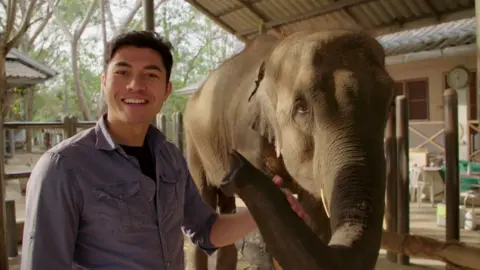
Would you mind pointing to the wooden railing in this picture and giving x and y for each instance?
(71, 125)
(428, 134)
(473, 132)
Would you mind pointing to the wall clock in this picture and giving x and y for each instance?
(458, 77)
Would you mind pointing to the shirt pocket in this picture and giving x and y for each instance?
(169, 197)
(112, 206)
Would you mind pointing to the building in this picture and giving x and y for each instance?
(22, 71)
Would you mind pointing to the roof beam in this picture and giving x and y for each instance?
(350, 15)
(433, 9)
(337, 6)
(252, 9)
(215, 19)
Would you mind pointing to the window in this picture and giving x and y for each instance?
(416, 92)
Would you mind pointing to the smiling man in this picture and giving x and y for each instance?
(118, 195)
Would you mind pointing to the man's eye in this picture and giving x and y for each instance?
(121, 72)
(152, 75)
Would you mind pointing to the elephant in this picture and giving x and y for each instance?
(311, 107)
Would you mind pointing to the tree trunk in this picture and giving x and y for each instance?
(30, 100)
(87, 115)
(3, 235)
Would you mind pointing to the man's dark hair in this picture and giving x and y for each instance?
(142, 39)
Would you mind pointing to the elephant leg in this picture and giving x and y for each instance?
(226, 256)
(207, 192)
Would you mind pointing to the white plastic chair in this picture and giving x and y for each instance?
(416, 185)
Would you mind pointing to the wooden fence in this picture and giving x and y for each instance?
(430, 135)
(54, 132)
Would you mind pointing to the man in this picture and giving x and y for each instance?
(117, 196)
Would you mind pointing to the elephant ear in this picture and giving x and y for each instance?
(263, 99)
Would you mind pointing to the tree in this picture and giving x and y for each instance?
(73, 38)
(9, 39)
(104, 9)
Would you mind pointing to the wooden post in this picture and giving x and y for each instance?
(11, 227)
(149, 15)
(178, 123)
(163, 124)
(403, 201)
(73, 126)
(149, 24)
(11, 142)
(47, 140)
(391, 155)
(3, 229)
(452, 189)
(477, 17)
(69, 126)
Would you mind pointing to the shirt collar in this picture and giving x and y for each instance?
(104, 140)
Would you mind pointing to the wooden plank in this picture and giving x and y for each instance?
(18, 174)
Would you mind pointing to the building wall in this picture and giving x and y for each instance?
(435, 71)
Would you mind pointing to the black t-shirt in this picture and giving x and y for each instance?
(144, 157)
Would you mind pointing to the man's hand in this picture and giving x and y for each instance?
(292, 200)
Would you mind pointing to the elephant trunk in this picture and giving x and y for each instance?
(353, 174)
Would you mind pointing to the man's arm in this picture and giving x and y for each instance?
(51, 215)
(198, 217)
(230, 228)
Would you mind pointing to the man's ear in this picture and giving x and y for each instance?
(168, 91)
(103, 80)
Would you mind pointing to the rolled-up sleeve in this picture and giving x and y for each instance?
(199, 216)
(51, 215)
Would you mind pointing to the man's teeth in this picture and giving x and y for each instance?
(135, 101)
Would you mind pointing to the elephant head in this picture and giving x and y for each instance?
(324, 99)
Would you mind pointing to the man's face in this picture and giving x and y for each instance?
(135, 85)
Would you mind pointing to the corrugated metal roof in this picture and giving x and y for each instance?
(16, 69)
(440, 36)
(243, 18)
(434, 37)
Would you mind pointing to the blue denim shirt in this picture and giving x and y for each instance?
(88, 206)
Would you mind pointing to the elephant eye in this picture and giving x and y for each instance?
(300, 106)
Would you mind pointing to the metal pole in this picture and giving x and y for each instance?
(391, 155)
(403, 201)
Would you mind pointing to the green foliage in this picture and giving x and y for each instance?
(199, 47)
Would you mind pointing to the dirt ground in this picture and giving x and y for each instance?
(27, 161)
